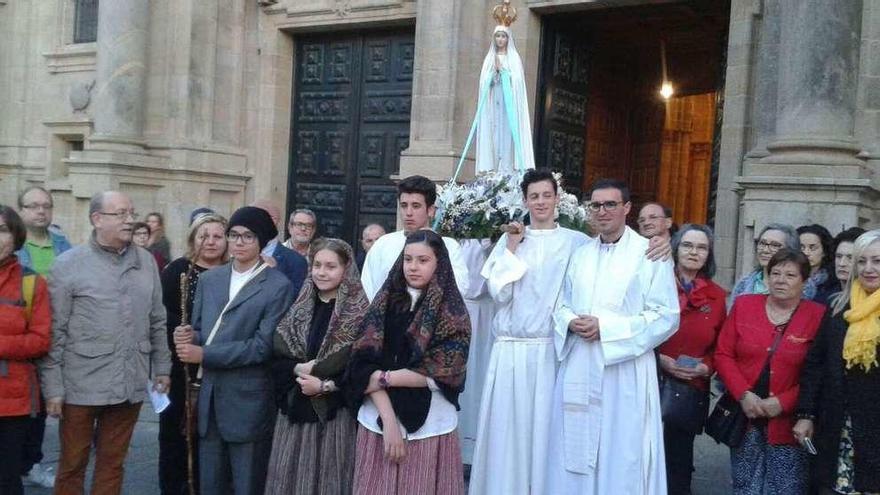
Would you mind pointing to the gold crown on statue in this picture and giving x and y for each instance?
(504, 13)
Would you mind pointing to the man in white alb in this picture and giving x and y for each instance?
(616, 307)
(415, 196)
(524, 274)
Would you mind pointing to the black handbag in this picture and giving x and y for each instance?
(728, 423)
(682, 405)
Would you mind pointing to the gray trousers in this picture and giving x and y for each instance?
(229, 467)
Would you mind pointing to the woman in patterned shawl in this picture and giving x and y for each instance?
(313, 447)
(406, 372)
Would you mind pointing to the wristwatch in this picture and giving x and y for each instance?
(383, 380)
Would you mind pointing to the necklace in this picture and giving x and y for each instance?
(776, 316)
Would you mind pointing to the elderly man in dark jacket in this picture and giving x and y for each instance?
(236, 309)
(108, 332)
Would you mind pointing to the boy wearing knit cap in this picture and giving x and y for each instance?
(236, 309)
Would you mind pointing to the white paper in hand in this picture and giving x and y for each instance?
(159, 400)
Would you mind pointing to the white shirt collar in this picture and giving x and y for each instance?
(269, 250)
(414, 295)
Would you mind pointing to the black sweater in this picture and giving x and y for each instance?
(830, 392)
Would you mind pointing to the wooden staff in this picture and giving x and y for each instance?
(187, 398)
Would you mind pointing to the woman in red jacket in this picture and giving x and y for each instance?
(703, 310)
(769, 459)
(23, 337)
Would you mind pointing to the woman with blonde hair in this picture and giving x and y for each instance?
(840, 382)
(206, 248)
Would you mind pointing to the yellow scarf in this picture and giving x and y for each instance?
(863, 335)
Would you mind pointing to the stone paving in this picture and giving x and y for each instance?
(712, 475)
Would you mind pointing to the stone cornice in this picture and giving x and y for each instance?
(151, 167)
(334, 12)
(741, 183)
(72, 58)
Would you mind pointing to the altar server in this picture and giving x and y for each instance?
(415, 202)
(524, 276)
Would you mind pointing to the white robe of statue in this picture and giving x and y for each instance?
(495, 146)
(605, 433)
(481, 309)
(385, 251)
(512, 439)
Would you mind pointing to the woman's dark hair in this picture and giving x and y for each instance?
(398, 298)
(141, 225)
(157, 215)
(708, 270)
(334, 245)
(15, 225)
(849, 235)
(534, 175)
(786, 255)
(827, 244)
(417, 184)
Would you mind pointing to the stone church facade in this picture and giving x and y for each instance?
(323, 103)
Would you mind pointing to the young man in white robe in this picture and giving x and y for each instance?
(524, 275)
(415, 204)
(616, 307)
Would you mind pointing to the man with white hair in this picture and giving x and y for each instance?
(108, 338)
(301, 226)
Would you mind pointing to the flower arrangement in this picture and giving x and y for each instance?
(478, 209)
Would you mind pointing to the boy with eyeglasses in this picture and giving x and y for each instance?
(235, 311)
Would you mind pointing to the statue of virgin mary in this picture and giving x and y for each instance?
(504, 141)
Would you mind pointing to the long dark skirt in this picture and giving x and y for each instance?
(311, 458)
(759, 468)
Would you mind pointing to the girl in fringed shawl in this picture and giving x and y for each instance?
(313, 447)
(406, 372)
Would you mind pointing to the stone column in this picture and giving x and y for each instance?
(121, 74)
(812, 173)
(818, 77)
(765, 88)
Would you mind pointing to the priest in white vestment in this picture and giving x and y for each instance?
(616, 307)
(415, 204)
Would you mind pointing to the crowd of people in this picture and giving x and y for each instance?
(310, 366)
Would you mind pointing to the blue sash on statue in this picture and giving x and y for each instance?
(507, 91)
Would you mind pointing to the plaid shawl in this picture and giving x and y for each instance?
(292, 334)
(439, 333)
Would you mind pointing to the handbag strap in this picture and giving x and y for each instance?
(777, 339)
(780, 331)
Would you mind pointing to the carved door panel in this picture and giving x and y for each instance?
(350, 121)
(561, 117)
